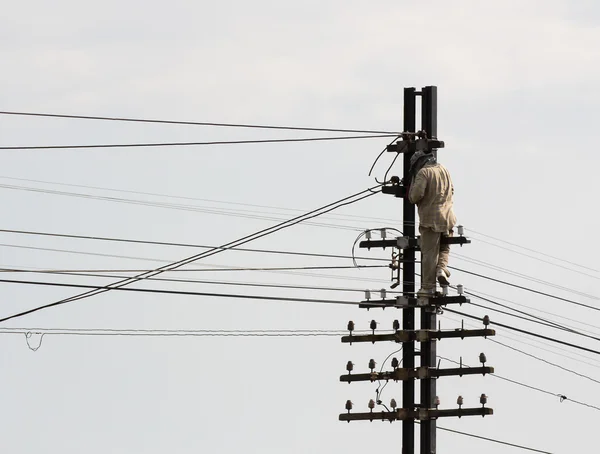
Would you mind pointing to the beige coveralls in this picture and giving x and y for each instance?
(432, 191)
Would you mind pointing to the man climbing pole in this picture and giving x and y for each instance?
(431, 189)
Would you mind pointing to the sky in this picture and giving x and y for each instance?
(518, 107)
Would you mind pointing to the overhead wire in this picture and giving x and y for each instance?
(162, 291)
(232, 244)
(529, 333)
(171, 196)
(190, 123)
(493, 440)
(533, 250)
(562, 397)
(185, 144)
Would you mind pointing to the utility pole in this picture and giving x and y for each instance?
(408, 277)
(428, 316)
(426, 411)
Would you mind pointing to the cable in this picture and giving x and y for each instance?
(526, 277)
(193, 123)
(545, 361)
(170, 292)
(261, 233)
(529, 333)
(549, 295)
(192, 198)
(162, 243)
(169, 333)
(180, 144)
(533, 250)
(212, 282)
(212, 270)
(562, 397)
(493, 440)
(189, 208)
(381, 154)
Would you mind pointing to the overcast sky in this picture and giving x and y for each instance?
(518, 110)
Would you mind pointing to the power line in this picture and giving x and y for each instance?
(261, 233)
(529, 333)
(163, 243)
(562, 397)
(533, 250)
(212, 270)
(214, 282)
(171, 333)
(56, 183)
(193, 123)
(170, 206)
(521, 287)
(493, 440)
(545, 361)
(180, 144)
(170, 292)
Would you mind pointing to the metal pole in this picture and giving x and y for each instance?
(408, 284)
(428, 315)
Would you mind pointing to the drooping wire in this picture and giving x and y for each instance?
(363, 233)
(379, 391)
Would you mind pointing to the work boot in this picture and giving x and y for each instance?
(442, 277)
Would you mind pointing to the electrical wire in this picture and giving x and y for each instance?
(170, 206)
(56, 183)
(521, 287)
(571, 371)
(562, 397)
(172, 333)
(191, 123)
(163, 243)
(529, 333)
(533, 250)
(525, 276)
(163, 291)
(183, 144)
(259, 234)
(493, 440)
(211, 282)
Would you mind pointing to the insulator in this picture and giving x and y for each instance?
(372, 364)
(350, 326)
(460, 289)
(383, 292)
(396, 325)
(459, 401)
(349, 366)
(486, 320)
(436, 401)
(383, 233)
(373, 325)
(371, 404)
(483, 399)
(461, 230)
(368, 234)
(348, 405)
(395, 363)
(393, 404)
(482, 358)
(445, 290)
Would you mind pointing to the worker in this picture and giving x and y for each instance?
(431, 189)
